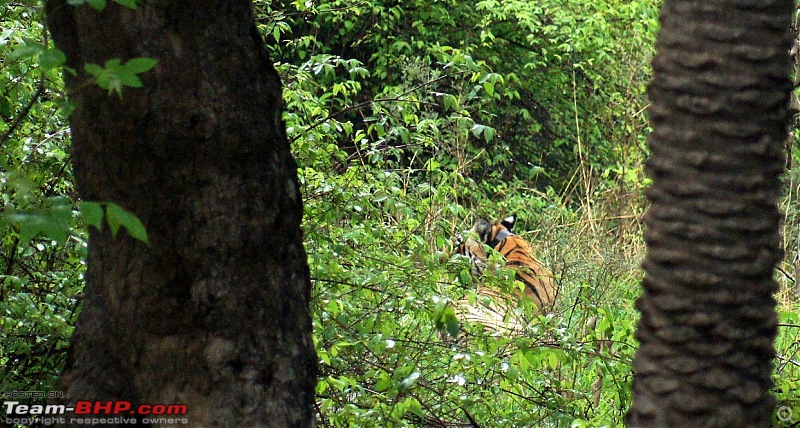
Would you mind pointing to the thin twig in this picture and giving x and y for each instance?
(24, 112)
(785, 274)
(471, 419)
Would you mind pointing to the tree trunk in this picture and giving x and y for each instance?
(214, 312)
(719, 112)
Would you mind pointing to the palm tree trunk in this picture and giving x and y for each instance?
(719, 112)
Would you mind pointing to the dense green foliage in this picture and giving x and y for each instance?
(411, 120)
(41, 278)
(408, 120)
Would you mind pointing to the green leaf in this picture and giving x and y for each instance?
(26, 51)
(113, 64)
(5, 107)
(51, 220)
(114, 76)
(139, 65)
(92, 213)
(52, 58)
(113, 213)
(29, 226)
(94, 69)
(477, 129)
(488, 134)
(131, 4)
(451, 322)
(117, 216)
(104, 78)
(553, 360)
(130, 80)
(55, 230)
(276, 33)
(464, 277)
(383, 384)
(97, 5)
(450, 101)
(488, 87)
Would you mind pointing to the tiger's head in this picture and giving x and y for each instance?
(492, 234)
(486, 232)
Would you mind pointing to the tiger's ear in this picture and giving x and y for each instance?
(509, 222)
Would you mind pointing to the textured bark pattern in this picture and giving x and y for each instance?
(719, 113)
(214, 314)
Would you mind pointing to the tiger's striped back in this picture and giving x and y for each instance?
(540, 285)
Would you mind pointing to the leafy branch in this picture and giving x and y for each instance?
(115, 75)
(397, 98)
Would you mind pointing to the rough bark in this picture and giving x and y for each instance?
(719, 95)
(214, 313)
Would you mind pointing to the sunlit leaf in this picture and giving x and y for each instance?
(92, 213)
(131, 4)
(139, 65)
(116, 216)
(52, 58)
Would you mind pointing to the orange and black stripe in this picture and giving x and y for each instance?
(540, 285)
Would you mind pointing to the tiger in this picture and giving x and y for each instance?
(540, 285)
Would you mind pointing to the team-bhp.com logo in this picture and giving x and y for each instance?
(94, 413)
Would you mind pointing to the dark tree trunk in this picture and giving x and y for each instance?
(214, 313)
(719, 113)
